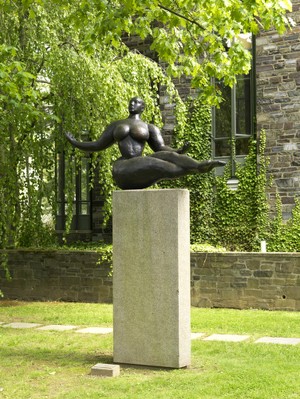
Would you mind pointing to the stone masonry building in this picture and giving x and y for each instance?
(278, 107)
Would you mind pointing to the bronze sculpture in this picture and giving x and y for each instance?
(133, 170)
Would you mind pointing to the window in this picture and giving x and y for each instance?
(233, 124)
(82, 198)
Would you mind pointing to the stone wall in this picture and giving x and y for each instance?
(185, 91)
(57, 275)
(230, 280)
(278, 108)
(246, 280)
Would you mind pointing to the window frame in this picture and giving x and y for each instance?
(233, 120)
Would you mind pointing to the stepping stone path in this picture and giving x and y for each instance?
(197, 335)
(21, 325)
(227, 338)
(57, 328)
(278, 340)
(194, 336)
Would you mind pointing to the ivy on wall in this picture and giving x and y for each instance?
(284, 237)
(237, 220)
(195, 127)
(240, 217)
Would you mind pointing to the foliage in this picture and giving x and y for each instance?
(284, 237)
(239, 217)
(236, 220)
(206, 248)
(52, 81)
(87, 101)
(196, 129)
(63, 67)
(195, 38)
(26, 161)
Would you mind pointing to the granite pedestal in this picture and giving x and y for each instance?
(151, 278)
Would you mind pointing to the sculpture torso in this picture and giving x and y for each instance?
(131, 135)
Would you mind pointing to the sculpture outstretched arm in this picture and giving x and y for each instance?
(156, 142)
(104, 141)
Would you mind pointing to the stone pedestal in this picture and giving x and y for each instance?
(151, 277)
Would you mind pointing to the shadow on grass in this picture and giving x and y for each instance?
(53, 356)
(62, 358)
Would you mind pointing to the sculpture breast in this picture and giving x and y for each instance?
(137, 131)
(121, 131)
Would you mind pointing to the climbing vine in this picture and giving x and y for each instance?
(240, 217)
(195, 127)
(284, 236)
(236, 220)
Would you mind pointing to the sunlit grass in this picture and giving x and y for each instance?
(85, 314)
(38, 364)
(226, 321)
(254, 322)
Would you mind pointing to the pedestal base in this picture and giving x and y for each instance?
(151, 278)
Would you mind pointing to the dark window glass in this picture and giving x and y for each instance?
(223, 114)
(243, 109)
(232, 120)
(222, 133)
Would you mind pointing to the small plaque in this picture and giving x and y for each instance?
(105, 370)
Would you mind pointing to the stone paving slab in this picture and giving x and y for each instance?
(21, 325)
(95, 330)
(55, 327)
(197, 335)
(278, 340)
(227, 338)
(107, 330)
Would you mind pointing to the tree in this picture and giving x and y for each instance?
(51, 81)
(60, 64)
(194, 38)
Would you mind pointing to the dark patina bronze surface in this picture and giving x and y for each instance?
(133, 170)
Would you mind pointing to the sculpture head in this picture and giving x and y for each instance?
(136, 106)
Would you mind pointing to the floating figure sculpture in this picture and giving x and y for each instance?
(133, 170)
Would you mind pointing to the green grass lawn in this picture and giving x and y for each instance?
(48, 364)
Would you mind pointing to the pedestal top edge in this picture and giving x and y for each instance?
(160, 190)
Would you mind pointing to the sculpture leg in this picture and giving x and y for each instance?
(142, 172)
(189, 164)
(181, 160)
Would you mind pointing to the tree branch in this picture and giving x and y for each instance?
(192, 21)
